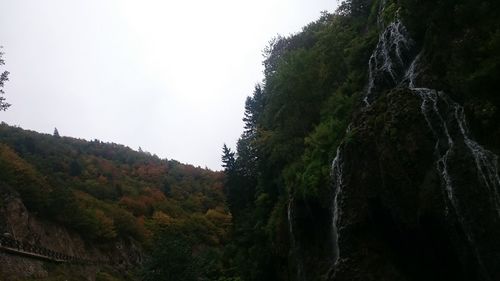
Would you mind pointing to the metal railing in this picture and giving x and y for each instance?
(22, 248)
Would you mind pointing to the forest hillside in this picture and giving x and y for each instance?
(102, 197)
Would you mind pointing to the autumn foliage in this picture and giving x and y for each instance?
(106, 191)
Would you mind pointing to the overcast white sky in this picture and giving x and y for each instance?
(169, 76)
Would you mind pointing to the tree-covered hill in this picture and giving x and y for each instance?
(107, 192)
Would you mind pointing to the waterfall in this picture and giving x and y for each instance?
(391, 65)
(387, 63)
(485, 160)
(338, 182)
(294, 251)
(388, 68)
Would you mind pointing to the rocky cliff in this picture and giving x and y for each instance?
(416, 197)
(370, 149)
(17, 223)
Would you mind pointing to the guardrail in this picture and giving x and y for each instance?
(22, 248)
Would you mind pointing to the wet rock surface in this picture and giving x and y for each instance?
(418, 196)
(415, 196)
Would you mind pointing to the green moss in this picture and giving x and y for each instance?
(390, 12)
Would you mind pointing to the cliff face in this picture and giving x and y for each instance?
(401, 215)
(370, 150)
(415, 196)
(18, 223)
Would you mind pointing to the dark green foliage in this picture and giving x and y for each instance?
(75, 169)
(4, 76)
(31, 185)
(355, 8)
(228, 161)
(171, 260)
(313, 84)
(293, 123)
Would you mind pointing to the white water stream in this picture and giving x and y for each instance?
(443, 115)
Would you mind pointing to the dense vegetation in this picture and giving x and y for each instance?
(313, 85)
(295, 120)
(293, 123)
(106, 192)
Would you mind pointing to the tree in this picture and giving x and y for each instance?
(75, 169)
(254, 106)
(228, 161)
(3, 78)
(171, 260)
(354, 8)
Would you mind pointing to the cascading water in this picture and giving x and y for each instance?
(386, 68)
(486, 161)
(388, 62)
(337, 176)
(294, 247)
(389, 67)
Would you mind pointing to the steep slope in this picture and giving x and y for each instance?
(370, 149)
(104, 205)
(424, 202)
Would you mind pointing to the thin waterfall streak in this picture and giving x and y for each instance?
(337, 175)
(484, 159)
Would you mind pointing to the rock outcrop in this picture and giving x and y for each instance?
(18, 223)
(416, 198)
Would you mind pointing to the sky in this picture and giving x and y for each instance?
(168, 76)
